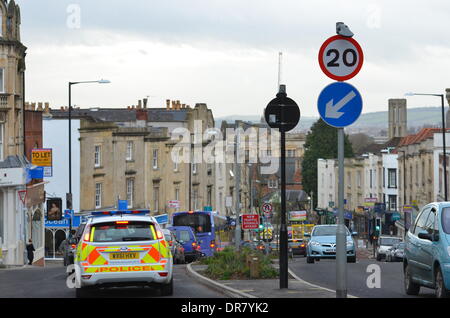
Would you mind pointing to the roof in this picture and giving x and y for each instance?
(423, 134)
(13, 162)
(124, 114)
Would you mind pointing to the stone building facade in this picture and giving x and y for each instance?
(126, 154)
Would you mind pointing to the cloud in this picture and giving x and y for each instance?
(225, 52)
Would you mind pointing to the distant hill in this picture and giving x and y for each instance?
(417, 117)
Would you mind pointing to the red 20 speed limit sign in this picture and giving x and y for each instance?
(340, 58)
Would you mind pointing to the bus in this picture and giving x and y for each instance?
(212, 230)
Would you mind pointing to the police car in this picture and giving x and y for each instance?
(122, 249)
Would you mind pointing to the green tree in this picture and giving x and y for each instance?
(321, 142)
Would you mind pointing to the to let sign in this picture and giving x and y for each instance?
(41, 157)
(250, 221)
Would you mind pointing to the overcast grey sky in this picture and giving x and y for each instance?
(225, 53)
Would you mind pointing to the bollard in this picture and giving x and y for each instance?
(254, 267)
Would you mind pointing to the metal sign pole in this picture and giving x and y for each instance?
(341, 244)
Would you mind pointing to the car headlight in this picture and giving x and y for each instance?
(349, 243)
(448, 250)
(314, 243)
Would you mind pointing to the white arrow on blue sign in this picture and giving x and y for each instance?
(339, 104)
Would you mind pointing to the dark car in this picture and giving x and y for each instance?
(298, 246)
(176, 248)
(185, 235)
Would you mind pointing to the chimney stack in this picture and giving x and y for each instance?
(139, 104)
(39, 106)
(168, 103)
(145, 102)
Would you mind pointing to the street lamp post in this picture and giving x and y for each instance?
(443, 137)
(404, 189)
(69, 197)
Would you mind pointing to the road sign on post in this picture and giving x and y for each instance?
(267, 209)
(340, 58)
(250, 221)
(340, 104)
(283, 113)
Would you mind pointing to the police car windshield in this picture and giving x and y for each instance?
(114, 232)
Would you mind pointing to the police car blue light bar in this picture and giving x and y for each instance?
(108, 213)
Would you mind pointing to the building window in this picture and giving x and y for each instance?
(2, 80)
(156, 199)
(130, 192)
(273, 184)
(209, 196)
(194, 168)
(1, 141)
(177, 194)
(97, 156)
(155, 158)
(98, 195)
(291, 153)
(195, 199)
(392, 202)
(175, 163)
(130, 146)
(392, 178)
(359, 179)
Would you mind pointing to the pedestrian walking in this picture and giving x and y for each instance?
(30, 252)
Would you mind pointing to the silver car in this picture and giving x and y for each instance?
(384, 244)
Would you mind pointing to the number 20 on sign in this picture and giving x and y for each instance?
(340, 58)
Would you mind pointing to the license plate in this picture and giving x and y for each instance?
(124, 255)
(331, 251)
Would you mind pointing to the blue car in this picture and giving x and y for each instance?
(185, 235)
(322, 244)
(427, 251)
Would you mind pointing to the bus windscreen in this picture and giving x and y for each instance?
(201, 223)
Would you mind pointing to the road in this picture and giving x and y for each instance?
(323, 273)
(50, 282)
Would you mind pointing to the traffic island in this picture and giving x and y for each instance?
(244, 264)
(249, 274)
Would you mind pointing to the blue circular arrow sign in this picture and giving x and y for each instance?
(339, 104)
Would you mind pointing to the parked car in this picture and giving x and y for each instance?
(176, 248)
(322, 244)
(427, 251)
(185, 235)
(384, 243)
(298, 246)
(396, 252)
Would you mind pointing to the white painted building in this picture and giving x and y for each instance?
(390, 179)
(326, 183)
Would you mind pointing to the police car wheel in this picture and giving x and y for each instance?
(167, 290)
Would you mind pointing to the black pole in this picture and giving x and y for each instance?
(283, 228)
(444, 150)
(70, 159)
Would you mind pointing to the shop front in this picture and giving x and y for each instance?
(55, 233)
